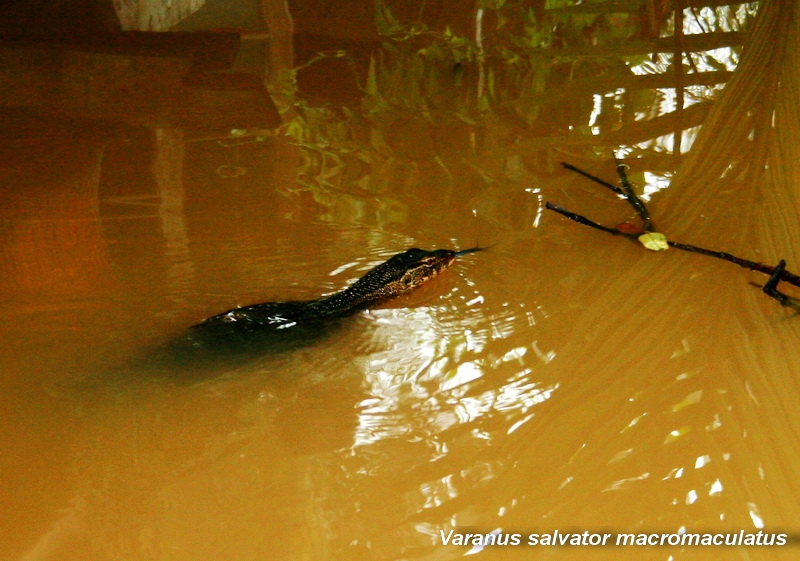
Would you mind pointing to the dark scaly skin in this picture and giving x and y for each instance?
(398, 275)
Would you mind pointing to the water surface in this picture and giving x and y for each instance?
(563, 379)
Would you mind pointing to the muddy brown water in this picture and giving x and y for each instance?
(561, 380)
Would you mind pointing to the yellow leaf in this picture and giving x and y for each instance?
(654, 241)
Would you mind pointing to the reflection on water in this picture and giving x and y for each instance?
(446, 382)
(560, 380)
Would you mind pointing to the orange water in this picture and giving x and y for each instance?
(562, 380)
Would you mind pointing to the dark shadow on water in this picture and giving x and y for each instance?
(314, 409)
(289, 387)
(202, 353)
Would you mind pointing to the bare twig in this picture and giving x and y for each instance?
(776, 274)
(633, 199)
(586, 222)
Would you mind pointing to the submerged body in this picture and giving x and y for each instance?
(398, 275)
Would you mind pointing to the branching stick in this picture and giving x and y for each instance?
(776, 274)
